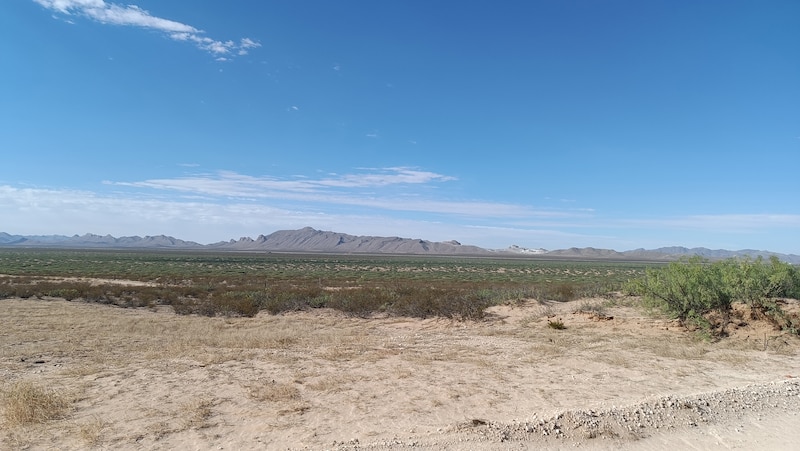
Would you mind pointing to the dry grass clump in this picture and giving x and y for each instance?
(285, 396)
(197, 413)
(91, 432)
(274, 392)
(27, 403)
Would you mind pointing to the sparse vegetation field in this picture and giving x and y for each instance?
(241, 284)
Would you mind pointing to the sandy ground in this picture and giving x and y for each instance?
(615, 378)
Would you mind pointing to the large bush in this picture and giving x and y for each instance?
(700, 292)
(756, 282)
(687, 290)
(760, 284)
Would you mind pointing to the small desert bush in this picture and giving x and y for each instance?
(563, 292)
(237, 303)
(184, 306)
(28, 403)
(556, 324)
(413, 300)
(277, 302)
(25, 291)
(362, 301)
(6, 292)
(65, 293)
(465, 305)
(287, 298)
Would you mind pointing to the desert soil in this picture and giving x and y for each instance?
(614, 378)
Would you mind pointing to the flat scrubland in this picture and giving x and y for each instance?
(556, 358)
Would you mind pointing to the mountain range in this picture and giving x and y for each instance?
(311, 240)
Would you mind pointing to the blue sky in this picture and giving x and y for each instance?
(612, 124)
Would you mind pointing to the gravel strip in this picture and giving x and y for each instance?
(587, 428)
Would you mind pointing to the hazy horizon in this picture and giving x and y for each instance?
(412, 238)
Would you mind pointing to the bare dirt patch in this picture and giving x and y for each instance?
(612, 378)
(93, 281)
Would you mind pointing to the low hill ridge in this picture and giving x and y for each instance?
(309, 239)
(90, 240)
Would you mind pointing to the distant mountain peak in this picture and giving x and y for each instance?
(309, 239)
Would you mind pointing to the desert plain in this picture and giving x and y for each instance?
(614, 377)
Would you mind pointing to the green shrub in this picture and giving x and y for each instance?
(65, 293)
(7, 292)
(238, 303)
(25, 291)
(362, 301)
(279, 302)
(425, 302)
(183, 306)
(760, 284)
(687, 290)
(691, 289)
(756, 281)
(286, 298)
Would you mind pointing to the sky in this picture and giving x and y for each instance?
(617, 124)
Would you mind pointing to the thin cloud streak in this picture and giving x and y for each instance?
(37, 211)
(722, 222)
(132, 15)
(389, 176)
(55, 211)
(347, 189)
(232, 184)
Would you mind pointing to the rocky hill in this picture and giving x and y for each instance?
(310, 240)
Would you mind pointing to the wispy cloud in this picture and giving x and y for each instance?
(731, 223)
(232, 184)
(387, 176)
(210, 208)
(389, 189)
(132, 15)
(66, 211)
(38, 210)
